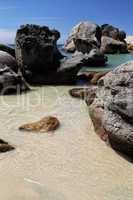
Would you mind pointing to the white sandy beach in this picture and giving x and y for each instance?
(71, 163)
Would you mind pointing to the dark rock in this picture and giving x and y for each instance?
(110, 31)
(68, 69)
(87, 36)
(36, 48)
(71, 66)
(113, 40)
(112, 46)
(113, 32)
(5, 146)
(96, 114)
(10, 82)
(39, 58)
(65, 74)
(7, 59)
(87, 94)
(115, 100)
(41, 62)
(91, 77)
(7, 49)
(94, 58)
(122, 35)
(84, 37)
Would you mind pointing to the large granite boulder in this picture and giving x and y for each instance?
(10, 82)
(113, 40)
(112, 108)
(42, 63)
(112, 46)
(36, 49)
(70, 67)
(84, 37)
(7, 59)
(94, 58)
(113, 32)
(39, 58)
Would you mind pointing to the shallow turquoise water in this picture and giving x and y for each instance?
(114, 60)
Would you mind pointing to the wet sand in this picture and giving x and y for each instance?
(70, 163)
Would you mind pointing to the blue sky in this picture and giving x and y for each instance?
(63, 14)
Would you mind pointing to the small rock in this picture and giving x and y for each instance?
(83, 93)
(44, 125)
(4, 146)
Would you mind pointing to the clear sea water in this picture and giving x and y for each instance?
(114, 60)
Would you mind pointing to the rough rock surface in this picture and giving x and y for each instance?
(44, 125)
(42, 63)
(112, 46)
(113, 40)
(84, 37)
(7, 59)
(5, 146)
(87, 36)
(36, 49)
(91, 77)
(93, 58)
(87, 94)
(40, 60)
(113, 32)
(10, 82)
(112, 108)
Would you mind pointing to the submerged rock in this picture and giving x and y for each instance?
(10, 82)
(5, 146)
(44, 125)
(91, 77)
(87, 94)
(112, 108)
